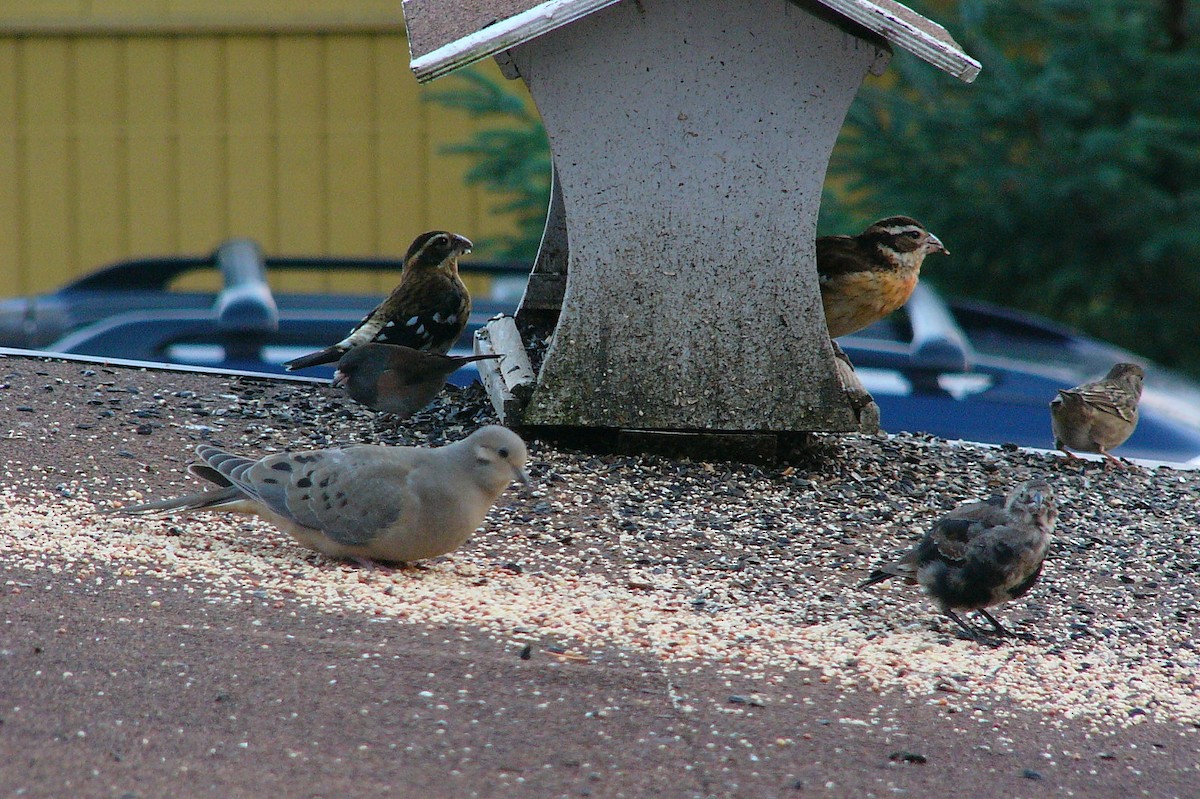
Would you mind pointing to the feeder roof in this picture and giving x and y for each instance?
(445, 35)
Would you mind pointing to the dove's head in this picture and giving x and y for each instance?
(500, 457)
(1033, 502)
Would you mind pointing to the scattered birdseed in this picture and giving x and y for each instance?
(751, 569)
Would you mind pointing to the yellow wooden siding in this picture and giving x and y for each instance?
(192, 16)
(310, 143)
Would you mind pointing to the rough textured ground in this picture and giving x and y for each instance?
(632, 627)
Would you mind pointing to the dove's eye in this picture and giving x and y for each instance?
(502, 452)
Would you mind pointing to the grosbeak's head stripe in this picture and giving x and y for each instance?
(899, 236)
(434, 249)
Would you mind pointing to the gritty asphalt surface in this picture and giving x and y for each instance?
(634, 627)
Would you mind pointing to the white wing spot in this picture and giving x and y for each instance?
(412, 321)
(391, 323)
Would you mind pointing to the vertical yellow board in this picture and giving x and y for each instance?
(102, 197)
(350, 170)
(301, 114)
(130, 10)
(200, 125)
(445, 197)
(148, 79)
(129, 142)
(49, 11)
(45, 152)
(11, 207)
(251, 205)
(404, 172)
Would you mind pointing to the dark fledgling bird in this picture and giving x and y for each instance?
(427, 310)
(394, 379)
(981, 554)
(365, 502)
(866, 277)
(1098, 416)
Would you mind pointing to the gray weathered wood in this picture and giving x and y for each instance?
(547, 284)
(690, 187)
(445, 35)
(509, 379)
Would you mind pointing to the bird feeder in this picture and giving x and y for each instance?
(690, 141)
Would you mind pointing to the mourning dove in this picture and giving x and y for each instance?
(1098, 416)
(367, 501)
(395, 379)
(981, 554)
(427, 310)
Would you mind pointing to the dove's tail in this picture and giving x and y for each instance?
(222, 498)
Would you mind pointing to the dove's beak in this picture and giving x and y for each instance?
(522, 477)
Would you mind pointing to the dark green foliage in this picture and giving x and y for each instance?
(1065, 181)
(511, 159)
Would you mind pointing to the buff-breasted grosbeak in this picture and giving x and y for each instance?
(1100, 415)
(394, 379)
(866, 277)
(427, 310)
(981, 554)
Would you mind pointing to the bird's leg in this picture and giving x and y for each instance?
(1000, 629)
(971, 631)
(1113, 460)
(1063, 448)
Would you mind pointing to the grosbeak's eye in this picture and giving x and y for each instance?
(913, 234)
(442, 240)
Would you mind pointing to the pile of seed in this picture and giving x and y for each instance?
(750, 568)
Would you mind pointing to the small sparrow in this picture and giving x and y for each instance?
(1098, 416)
(981, 554)
(364, 502)
(427, 310)
(866, 277)
(394, 379)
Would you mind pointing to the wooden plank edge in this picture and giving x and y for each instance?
(945, 54)
(509, 379)
(504, 34)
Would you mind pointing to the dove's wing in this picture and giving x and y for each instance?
(351, 495)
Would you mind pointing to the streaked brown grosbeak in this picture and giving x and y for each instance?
(427, 310)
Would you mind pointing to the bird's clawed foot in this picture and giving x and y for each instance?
(386, 567)
(996, 625)
(1114, 461)
(974, 633)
